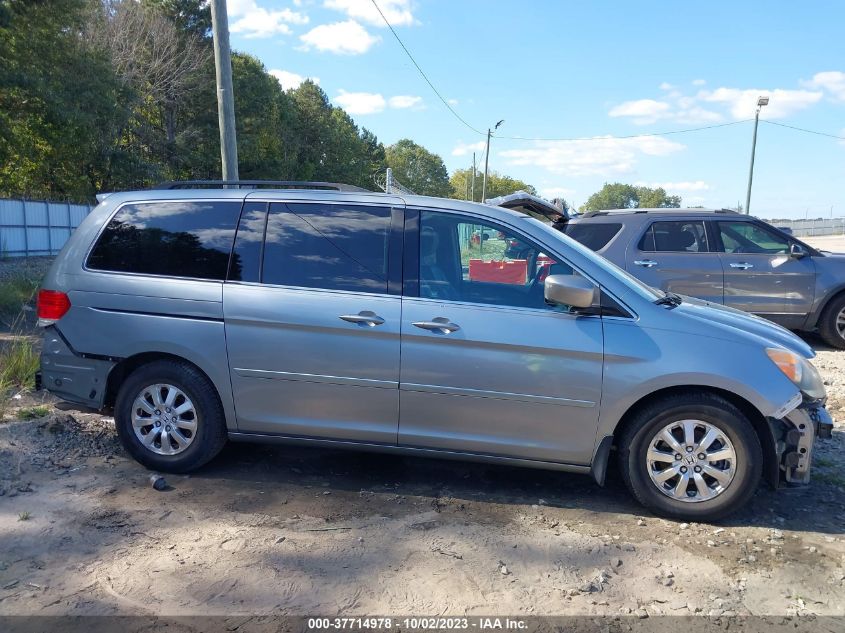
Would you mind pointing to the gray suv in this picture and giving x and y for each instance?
(324, 315)
(724, 257)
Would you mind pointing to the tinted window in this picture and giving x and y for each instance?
(335, 247)
(246, 256)
(481, 263)
(179, 239)
(593, 236)
(675, 237)
(747, 237)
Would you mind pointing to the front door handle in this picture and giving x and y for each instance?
(438, 324)
(365, 318)
(646, 263)
(742, 265)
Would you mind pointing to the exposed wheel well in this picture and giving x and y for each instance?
(761, 426)
(124, 368)
(827, 303)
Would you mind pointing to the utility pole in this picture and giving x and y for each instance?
(487, 161)
(762, 101)
(225, 98)
(473, 177)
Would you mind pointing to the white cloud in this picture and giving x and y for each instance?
(687, 185)
(290, 80)
(342, 38)
(360, 102)
(404, 101)
(462, 149)
(643, 111)
(397, 12)
(550, 193)
(741, 103)
(832, 81)
(254, 21)
(602, 156)
(699, 82)
(452, 102)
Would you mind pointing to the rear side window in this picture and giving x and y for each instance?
(593, 236)
(334, 247)
(177, 239)
(675, 237)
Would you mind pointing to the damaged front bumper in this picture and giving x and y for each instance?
(795, 436)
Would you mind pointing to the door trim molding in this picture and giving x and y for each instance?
(498, 395)
(320, 378)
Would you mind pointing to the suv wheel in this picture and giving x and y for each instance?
(691, 456)
(832, 323)
(169, 417)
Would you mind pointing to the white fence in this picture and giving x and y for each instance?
(810, 228)
(37, 227)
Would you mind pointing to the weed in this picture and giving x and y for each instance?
(18, 363)
(24, 516)
(33, 413)
(15, 293)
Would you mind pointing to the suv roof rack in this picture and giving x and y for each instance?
(257, 184)
(669, 210)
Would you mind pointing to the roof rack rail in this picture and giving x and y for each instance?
(257, 184)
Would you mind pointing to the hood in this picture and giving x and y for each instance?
(741, 324)
(534, 206)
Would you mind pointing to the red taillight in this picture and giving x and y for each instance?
(52, 306)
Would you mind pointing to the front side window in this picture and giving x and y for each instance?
(675, 237)
(177, 239)
(747, 237)
(479, 262)
(333, 247)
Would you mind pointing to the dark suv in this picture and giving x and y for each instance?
(724, 257)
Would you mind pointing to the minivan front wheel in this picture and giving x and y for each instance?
(169, 417)
(691, 456)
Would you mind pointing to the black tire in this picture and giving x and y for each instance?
(210, 435)
(635, 439)
(827, 323)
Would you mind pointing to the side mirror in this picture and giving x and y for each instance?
(569, 290)
(797, 251)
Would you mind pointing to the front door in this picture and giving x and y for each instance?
(675, 256)
(311, 329)
(487, 366)
(761, 276)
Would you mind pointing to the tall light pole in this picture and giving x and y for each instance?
(473, 177)
(762, 101)
(225, 98)
(487, 161)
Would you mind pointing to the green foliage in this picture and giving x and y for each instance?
(18, 363)
(418, 169)
(497, 185)
(32, 413)
(15, 293)
(618, 195)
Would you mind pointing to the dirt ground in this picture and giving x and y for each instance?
(279, 530)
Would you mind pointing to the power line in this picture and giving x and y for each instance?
(424, 76)
(801, 129)
(601, 138)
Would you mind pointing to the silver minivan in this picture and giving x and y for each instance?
(325, 315)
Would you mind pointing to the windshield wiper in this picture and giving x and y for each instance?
(670, 299)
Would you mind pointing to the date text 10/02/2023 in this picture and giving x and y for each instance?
(416, 623)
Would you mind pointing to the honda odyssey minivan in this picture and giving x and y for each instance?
(326, 315)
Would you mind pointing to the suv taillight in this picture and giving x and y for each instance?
(52, 306)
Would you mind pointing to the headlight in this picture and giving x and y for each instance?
(788, 362)
(799, 370)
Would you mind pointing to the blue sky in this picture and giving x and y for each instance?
(560, 69)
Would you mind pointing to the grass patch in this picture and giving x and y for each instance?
(824, 462)
(24, 516)
(833, 479)
(18, 363)
(16, 292)
(33, 413)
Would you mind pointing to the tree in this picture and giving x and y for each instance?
(618, 195)
(497, 184)
(418, 169)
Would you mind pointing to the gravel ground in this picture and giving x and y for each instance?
(283, 530)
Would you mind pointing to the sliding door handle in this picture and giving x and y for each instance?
(438, 324)
(365, 318)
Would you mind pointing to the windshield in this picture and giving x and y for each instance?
(645, 291)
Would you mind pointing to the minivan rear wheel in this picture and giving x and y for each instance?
(832, 323)
(692, 456)
(169, 417)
